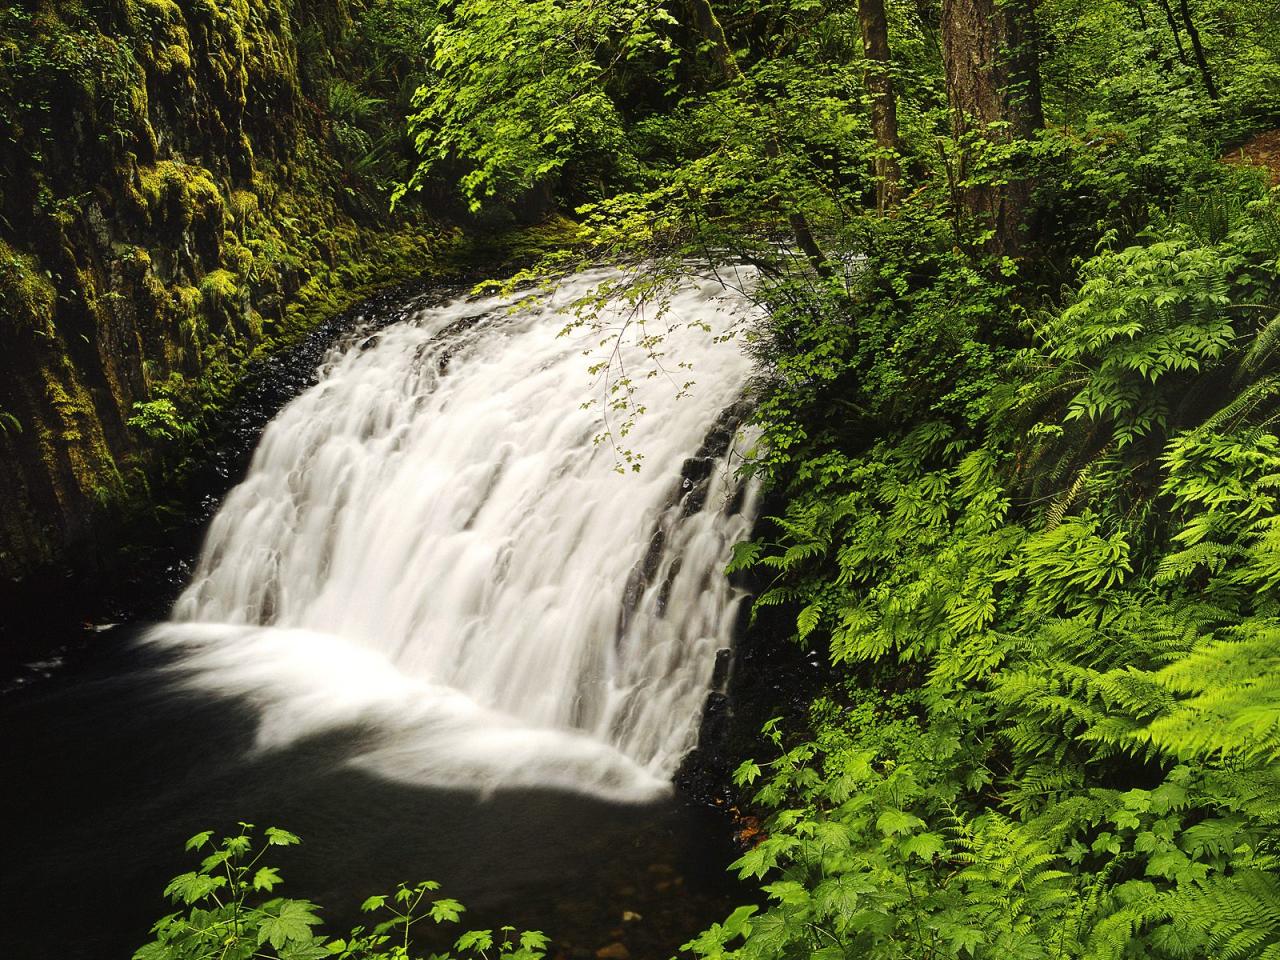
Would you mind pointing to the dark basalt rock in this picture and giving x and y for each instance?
(690, 493)
(766, 675)
(449, 337)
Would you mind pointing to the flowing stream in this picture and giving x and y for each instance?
(434, 632)
(435, 546)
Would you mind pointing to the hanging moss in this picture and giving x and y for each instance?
(179, 195)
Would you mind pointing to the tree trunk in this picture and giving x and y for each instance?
(884, 105)
(993, 84)
(708, 24)
(1198, 49)
(1173, 28)
(1142, 15)
(1140, 8)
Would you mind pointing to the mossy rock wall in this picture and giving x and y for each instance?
(167, 212)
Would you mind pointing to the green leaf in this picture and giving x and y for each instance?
(291, 922)
(926, 846)
(747, 773)
(266, 878)
(475, 940)
(192, 887)
(893, 822)
(808, 619)
(199, 840)
(787, 892)
(446, 910)
(534, 940)
(281, 838)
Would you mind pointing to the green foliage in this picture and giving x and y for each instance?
(517, 89)
(226, 909)
(160, 420)
(1075, 592)
(1029, 508)
(66, 67)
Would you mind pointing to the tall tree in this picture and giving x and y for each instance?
(993, 84)
(1173, 28)
(884, 106)
(1202, 63)
(708, 24)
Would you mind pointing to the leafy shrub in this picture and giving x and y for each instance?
(1060, 713)
(160, 420)
(227, 910)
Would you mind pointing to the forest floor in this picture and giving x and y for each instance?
(1262, 150)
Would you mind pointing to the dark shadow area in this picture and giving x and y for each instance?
(110, 769)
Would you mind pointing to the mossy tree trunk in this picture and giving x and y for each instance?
(993, 85)
(874, 27)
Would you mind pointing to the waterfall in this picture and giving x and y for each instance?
(433, 548)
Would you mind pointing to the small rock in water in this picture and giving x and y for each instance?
(630, 916)
(614, 951)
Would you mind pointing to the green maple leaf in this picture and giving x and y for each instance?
(291, 923)
(266, 878)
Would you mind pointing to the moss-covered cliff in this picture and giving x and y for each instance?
(172, 202)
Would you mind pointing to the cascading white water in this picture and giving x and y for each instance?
(433, 545)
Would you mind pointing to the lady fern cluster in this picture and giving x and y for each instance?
(1057, 728)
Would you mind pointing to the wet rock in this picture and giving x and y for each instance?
(694, 501)
(696, 470)
(664, 592)
(724, 660)
(614, 951)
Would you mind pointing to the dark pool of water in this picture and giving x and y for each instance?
(108, 768)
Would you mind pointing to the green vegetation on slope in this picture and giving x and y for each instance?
(1049, 592)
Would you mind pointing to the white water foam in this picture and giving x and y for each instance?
(432, 546)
